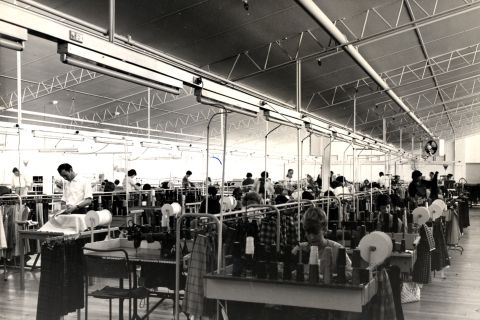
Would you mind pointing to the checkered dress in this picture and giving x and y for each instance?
(421, 269)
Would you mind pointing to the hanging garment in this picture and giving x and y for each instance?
(268, 231)
(3, 238)
(463, 213)
(73, 284)
(289, 230)
(384, 305)
(61, 287)
(50, 292)
(440, 257)
(396, 285)
(201, 262)
(453, 228)
(421, 269)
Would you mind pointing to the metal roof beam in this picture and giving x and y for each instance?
(311, 8)
(44, 88)
(392, 14)
(445, 63)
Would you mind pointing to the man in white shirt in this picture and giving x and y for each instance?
(77, 191)
(384, 180)
(20, 183)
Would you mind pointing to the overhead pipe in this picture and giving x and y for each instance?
(318, 15)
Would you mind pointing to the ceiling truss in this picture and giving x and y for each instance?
(372, 24)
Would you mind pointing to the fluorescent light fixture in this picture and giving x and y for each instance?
(56, 136)
(283, 120)
(146, 144)
(191, 149)
(210, 97)
(13, 37)
(73, 150)
(317, 129)
(113, 141)
(229, 92)
(69, 53)
(8, 132)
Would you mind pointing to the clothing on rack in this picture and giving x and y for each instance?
(383, 303)
(396, 285)
(440, 257)
(202, 261)
(421, 269)
(453, 228)
(3, 238)
(463, 213)
(61, 283)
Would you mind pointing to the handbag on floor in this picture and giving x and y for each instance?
(410, 292)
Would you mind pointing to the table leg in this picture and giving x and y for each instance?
(22, 263)
(120, 303)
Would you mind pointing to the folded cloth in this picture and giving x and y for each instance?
(68, 224)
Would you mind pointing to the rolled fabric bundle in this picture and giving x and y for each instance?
(98, 218)
(420, 215)
(441, 204)
(435, 210)
(173, 209)
(327, 263)
(375, 248)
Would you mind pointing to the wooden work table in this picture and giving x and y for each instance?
(342, 297)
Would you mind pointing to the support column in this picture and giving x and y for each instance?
(111, 30)
(149, 106)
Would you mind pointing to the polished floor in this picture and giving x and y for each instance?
(455, 298)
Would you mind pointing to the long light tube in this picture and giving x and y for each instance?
(56, 136)
(283, 120)
(146, 144)
(113, 141)
(85, 65)
(73, 150)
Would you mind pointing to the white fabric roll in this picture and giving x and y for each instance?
(98, 218)
(382, 244)
(420, 215)
(440, 203)
(435, 211)
(171, 209)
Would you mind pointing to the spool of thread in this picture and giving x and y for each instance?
(393, 245)
(300, 273)
(313, 273)
(402, 246)
(272, 267)
(313, 259)
(363, 231)
(98, 218)
(144, 203)
(249, 246)
(288, 265)
(334, 232)
(353, 241)
(356, 258)
(261, 269)
(327, 265)
(260, 254)
(341, 262)
(395, 222)
(165, 221)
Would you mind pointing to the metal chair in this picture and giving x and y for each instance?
(112, 268)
